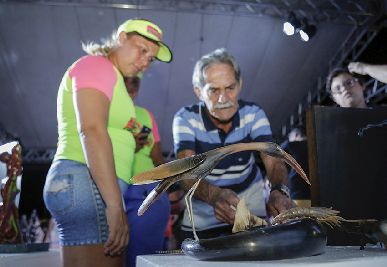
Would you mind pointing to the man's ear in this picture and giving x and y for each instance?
(334, 99)
(198, 93)
(364, 88)
(240, 84)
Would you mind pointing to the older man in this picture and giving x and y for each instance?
(220, 119)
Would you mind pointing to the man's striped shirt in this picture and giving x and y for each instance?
(193, 130)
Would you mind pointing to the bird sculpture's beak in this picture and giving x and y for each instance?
(294, 164)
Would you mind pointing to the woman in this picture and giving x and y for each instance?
(148, 155)
(82, 191)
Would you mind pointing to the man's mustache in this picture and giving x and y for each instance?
(228, 104)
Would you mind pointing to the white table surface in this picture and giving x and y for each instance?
(49, 258)
(333, 256)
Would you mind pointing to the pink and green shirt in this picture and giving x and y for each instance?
(99, 73)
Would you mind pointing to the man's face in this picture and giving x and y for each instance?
(220, 93)
(347, 91)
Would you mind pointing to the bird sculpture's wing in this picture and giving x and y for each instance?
(169, 169)
(269, 148)
(202, 164)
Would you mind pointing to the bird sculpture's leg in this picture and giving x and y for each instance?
(188, 202)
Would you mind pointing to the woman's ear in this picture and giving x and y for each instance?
(122, 37)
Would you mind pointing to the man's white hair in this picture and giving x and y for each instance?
(219, 55)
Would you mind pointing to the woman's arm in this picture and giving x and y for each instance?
(92, 108)
(156, 154)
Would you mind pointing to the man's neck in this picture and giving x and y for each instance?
(361, 104)
(224, 125)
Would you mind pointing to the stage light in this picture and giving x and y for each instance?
(307, 32)
(292, 24)
(288, 28)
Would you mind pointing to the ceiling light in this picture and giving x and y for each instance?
(292, 24)
(288, 28)
(307, 32)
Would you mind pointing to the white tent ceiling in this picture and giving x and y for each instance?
(40, 39)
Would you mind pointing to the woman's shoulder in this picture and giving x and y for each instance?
(93, 62)
(94, 67)
(94, 72)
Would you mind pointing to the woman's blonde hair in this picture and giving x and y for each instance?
(102, 49)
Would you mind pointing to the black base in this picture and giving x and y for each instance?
(291, 240)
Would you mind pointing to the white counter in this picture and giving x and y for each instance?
(33, 259)
(333, 256)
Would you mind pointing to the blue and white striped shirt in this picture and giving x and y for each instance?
(193, 130)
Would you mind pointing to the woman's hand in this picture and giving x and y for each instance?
(118, 231)
(141, 140)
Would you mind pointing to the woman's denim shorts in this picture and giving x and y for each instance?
(74, 201)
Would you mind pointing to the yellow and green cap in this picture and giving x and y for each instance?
(151, 31)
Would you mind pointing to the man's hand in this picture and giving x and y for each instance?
(278, 203)
(224, 202)
(277, 174)
(378, 72)
(357, 67)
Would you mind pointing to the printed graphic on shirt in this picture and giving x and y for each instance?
(135, 128)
